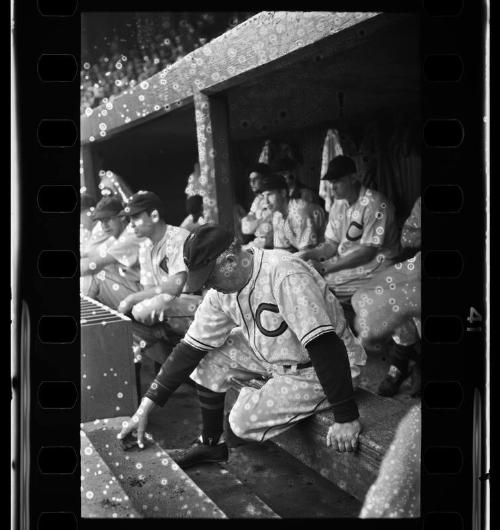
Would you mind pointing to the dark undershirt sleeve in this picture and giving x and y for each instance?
(330, 360)
(175, 370)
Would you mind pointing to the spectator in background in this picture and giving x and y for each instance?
(112, 265)
(165, 39)
(194, 209)
(251, 221)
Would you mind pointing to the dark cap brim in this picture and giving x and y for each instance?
(106, 214)
(197, 279)
(328, 177)
(130, 210)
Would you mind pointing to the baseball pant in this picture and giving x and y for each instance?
(288, 396)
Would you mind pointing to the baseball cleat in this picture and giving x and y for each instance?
(199, 453)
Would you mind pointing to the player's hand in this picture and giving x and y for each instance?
(344, 436)
(137, 423)
(126, 305)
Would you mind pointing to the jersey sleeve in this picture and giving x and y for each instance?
(211, 325)
(125, 249)
(333, 226)
(306, 225)
(145, 264)
(175, 251)
(280, 235)
(378, 221)
(301, 303)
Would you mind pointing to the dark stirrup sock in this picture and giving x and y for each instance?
(402, 355)
(212, 414)
(138, 380)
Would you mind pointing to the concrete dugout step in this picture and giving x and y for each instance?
(231, 495)
(102, 496)
(148, 482)
(352, 472)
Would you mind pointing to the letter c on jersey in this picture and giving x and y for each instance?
(268, 333)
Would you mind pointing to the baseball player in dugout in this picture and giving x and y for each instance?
(112, 265)
(288, 223)
(250, 222)
(270, 326)
(162, 310)
(361, 237)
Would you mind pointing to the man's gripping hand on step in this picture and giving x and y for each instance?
(344, 436)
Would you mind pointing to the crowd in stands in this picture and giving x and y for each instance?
(151, 44)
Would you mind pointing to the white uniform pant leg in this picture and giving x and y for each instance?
(282, 402)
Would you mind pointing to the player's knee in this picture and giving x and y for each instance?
(239, 421)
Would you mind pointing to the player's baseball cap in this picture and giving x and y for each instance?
(272, 182)
(142, 201)
(201, 249)
(107, 207)
(339, 167)
(261, 168)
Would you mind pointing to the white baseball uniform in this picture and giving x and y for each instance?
(370, 221)
(263, 330)
(159, 261)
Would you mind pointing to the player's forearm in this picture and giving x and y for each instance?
(331, 363)
(174, 285)
(355, 259)
(175, 371)
(94, 264)
(322, 252)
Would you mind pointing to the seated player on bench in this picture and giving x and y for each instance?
(361, 237)
(287, 223)
(389, 304)
(162, 310)
(268, 317)
(113, 264)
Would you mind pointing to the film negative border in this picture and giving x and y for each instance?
(453, 199)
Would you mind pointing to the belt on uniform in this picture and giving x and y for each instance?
(299, 366)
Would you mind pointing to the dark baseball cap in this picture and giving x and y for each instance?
(201, 249)
(261, 168)
(108, 207)
(273, 182)
(142, 201)
(339, 167)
